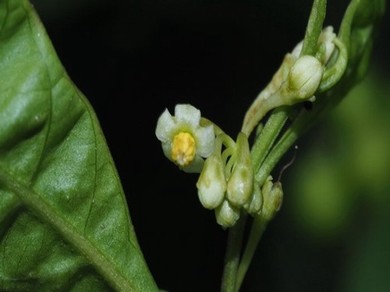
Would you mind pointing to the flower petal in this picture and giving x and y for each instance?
(165, 125)
(167, 149)
(188, 114)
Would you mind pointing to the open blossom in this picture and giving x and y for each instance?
(184, 141)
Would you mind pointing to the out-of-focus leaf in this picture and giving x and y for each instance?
(368, 265)
(64, 221)
(355, 174)
(322, 203)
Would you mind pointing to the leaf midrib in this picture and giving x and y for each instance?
(46, 212)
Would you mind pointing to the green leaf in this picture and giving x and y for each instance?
(64, 220)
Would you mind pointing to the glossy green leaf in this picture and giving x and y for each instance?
(64, 220)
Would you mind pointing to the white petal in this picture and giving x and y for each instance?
(205, 139)
(167, 149)
(188, 114)
(165, 125)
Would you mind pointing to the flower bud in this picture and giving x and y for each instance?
(226, 214)
(211, 183)
(273, 198)
(326, 40)
(305, 77)
(253, 206)
(240, 183)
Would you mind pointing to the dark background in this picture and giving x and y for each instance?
(132, 59)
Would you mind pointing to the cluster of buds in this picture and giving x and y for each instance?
(299, 77)
(226, 182)
(227, 186)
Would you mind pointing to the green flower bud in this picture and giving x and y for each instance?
(305, 77)
(273, 198)
(240, 183)
(253, 206)
(211, 183)
(226, 214)
(326, 44)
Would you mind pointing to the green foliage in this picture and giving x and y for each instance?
(64, 221)
(355, 174)
(342, 198)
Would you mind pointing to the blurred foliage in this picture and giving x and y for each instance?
(339, 188)
(347, 166)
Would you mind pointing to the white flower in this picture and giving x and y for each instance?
(184, 141)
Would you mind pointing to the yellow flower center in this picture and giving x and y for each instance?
(183, 148)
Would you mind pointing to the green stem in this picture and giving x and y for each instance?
(267, 136)
(235, 270)
(261, 147)
(232, 255)
(288, 139)
(314, 27)
(264, 160)
(257, 229)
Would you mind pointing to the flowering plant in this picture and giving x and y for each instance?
(64, 220)
(236, 179)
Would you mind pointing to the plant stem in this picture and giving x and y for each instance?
(289, 137)
(232, 255)
(260, 149)
(314, 27)
(267, 136)
(264, 160)
(257, 229)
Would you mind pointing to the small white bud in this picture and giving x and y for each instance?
(239, 188)
(211, 183)
(226, 214)
(326, 40)
(305, 77)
